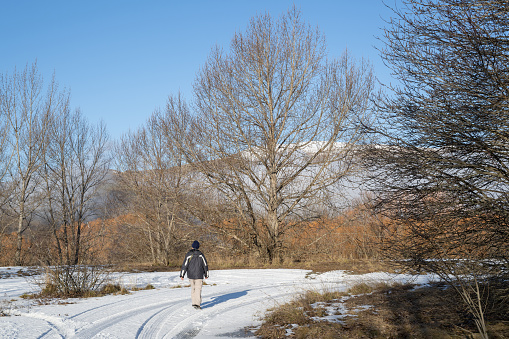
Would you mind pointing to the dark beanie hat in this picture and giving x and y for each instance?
(195, 244)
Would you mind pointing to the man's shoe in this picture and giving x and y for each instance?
(197, 307)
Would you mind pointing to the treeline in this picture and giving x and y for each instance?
(123, 242)
(256, 167)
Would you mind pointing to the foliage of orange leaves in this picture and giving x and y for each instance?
(8, 244)
(117, 240)
(102, 242)
(351, 235)
(354, 234)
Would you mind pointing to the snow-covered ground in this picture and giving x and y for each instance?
(232, 301)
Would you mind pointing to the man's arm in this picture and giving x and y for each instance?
(205, 266)
(184, 267)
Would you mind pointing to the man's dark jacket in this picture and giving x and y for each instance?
(195, 265)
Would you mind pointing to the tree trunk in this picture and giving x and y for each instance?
(21, 230)
(19, 243)
(77, 244)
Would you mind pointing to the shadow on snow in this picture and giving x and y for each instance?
(223, 298)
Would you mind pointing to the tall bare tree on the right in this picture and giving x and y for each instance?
(443, 178)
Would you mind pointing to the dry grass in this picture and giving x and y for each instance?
(368, 311)
(147, 287)
(297, 315)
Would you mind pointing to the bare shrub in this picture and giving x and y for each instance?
(74, 281)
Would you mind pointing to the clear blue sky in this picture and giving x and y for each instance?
(122, 58)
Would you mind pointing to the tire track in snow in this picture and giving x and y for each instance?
(121, 317)
(129, 300)
(63, 327)
(171, 318)
(191, 326)
(167, 321)
(155, 323)
(163, 314)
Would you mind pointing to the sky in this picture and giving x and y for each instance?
(121, 59)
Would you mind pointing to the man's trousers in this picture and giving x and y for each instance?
(196, 285)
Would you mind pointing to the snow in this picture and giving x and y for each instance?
(232, 301)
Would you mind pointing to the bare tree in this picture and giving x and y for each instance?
(29, 112)
(156, 182)
(76, 166)
(443, 176)
(275, 124)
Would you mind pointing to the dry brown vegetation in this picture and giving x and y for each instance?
(398, 311)
(121, 241)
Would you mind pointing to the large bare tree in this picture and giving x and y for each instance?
(443, 175)
(29, 110)
(275, 123)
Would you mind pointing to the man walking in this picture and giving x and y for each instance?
(196, 267)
